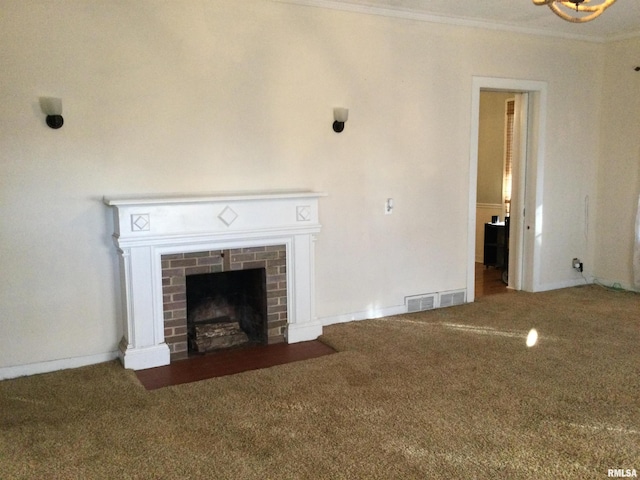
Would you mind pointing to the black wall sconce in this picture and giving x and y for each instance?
(340, 115)
(52, 108)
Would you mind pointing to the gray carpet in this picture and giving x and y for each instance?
(453, 393)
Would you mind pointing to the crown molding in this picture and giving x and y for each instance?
(446, 20)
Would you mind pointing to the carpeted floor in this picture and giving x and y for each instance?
(453, 393)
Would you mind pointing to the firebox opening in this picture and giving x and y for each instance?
(226, 309)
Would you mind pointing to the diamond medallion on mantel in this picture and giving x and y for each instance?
(140, 222)
(228, 216)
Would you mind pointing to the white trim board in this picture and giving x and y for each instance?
(55, 365)
(364, 315)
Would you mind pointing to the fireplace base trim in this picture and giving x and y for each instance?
(303, 333)
(143, 357)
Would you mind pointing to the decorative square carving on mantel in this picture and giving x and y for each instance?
(140, 222)
(228, 216)
(303, 213)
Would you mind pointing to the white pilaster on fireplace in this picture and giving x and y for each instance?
(148, 227)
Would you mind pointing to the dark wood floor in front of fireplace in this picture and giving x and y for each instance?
(229, 362)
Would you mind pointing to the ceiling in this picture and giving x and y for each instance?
(621, 20)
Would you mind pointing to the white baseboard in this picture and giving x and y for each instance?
(365, 315)
(605, 282)
(578, 282)
(54, 365)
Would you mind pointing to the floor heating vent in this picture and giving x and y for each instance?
(449, 299)
(419, 303)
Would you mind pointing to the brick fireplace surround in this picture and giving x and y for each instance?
(186, 234)
(176, 267)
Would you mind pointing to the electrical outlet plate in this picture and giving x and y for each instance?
(577, 264)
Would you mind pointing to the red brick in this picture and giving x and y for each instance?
(248, 265)
(251, 249)
(199, 254)
(177, 339)
(267, 256)
(276, 339)
(277, 308)
(169, 289)
(276, 293)
(176, 323)
(184, 262)
(172, 272)
(172, 256)
(179, 347)
(242, 257)
(175, 305)
(210, 261)
(277, 262)
(196, 270)
(277, 323)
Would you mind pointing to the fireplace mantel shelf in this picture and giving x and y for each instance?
(171, 198)
(149, 226)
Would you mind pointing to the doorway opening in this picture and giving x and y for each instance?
(524, 204)
(497, 130)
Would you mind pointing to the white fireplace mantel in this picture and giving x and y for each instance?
(147, 227)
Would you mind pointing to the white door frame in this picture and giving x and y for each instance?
(530, 232)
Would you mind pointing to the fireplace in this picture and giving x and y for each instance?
(163, 241)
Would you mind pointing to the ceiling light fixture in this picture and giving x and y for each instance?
(577, 11)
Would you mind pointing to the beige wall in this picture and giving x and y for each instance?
(212, 95)
(491, 138)
(616, 205)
